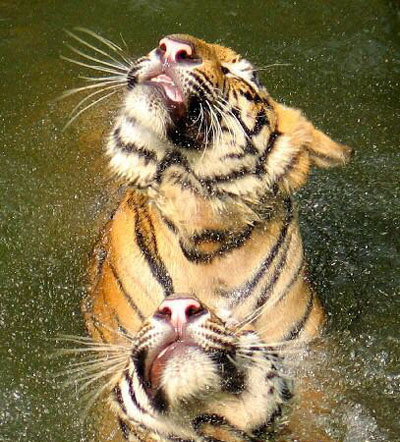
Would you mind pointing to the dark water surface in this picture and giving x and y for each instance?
(344, 73)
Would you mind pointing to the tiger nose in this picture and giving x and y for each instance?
(179, 312)
(175, 51)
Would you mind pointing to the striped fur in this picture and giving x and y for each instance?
(207, 212)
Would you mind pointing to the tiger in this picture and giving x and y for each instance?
(199, 275)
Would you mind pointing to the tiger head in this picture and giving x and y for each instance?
(196, 113)
(189, 376)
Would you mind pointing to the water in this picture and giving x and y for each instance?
(344, 73)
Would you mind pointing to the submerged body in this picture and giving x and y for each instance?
(200, 272)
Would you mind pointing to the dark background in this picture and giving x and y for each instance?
(343, 72)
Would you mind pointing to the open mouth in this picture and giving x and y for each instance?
(171, 90)
(187, 117)
(172, 94)
(156, 364)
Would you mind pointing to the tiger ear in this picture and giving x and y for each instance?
(322, 150)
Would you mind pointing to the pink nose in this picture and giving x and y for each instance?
(175, 51)
(180, 311)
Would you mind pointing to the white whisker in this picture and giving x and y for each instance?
(229, 112)
(91, 397)
(97, 60)
(91, 86)
(274, 346)
(86, 340)
(97, 361)
(264, 68)
(121, 78)
(88, 97)
(88, 107)
(69, 351)
(90, 66)
(124, 42)
(94, 48)
(92, 374)
(106, 42)
(92, 379)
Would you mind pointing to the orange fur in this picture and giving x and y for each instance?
(168, 238)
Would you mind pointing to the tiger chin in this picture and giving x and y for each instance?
(209, 162)
(189, 377)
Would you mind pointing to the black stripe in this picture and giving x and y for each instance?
(96, 323)
(129, 148)
(270, 145)
(239, 173)
(261, 122)
(210, 235)
(148, 238)
(177, 159)
(258, 170)
(251, 96)
(100, 252)
(206, 78)
(124, 429)
(243, 292)
(139, 362)
(118, 398)
(293, 280)
(216, 421)
(248, 149)
(271, 375)
(195, 256)
(179, 179)
(232, 380)
(268, 288)
(128, 298)
(212, 419)
(132, 74)
(295, 331)
(160, 402)
(233, 156)
(171, 226)
(132, 393)
(236, 113)
(232, 243)
(132, 79)
(285, 391)
(199, 91)
(260, 166)
(172, 157)
(87, 308)
(202, 83)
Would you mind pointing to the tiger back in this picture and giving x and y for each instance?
(200, 272)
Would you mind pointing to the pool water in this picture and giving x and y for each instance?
(340, 64)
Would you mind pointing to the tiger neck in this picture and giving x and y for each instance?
(208, 226)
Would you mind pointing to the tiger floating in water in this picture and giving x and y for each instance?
(199, 275)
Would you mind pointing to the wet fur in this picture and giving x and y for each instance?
(207, 212)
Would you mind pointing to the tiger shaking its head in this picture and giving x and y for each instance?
(200, 272)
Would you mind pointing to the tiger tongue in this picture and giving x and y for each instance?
(176, 349)
(158, 365)
(170, 88)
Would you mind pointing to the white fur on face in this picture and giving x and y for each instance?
(145, 104)
(189, 374)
